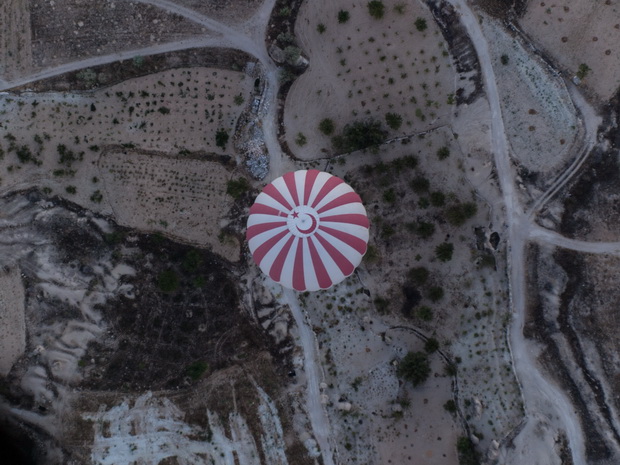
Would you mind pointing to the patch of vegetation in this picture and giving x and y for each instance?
(327, 126)
(414, 367)
(221, 138)
(191, 261)
(420, 24)
(237, 187)
(71, 190)
(435, 293)
(431, 345)
(420, 184)
(459, 213)
(450, 406)
(389, 196)
(466, 451)
(381, 304)
(443, 153)
(376, 8)
(360, 135)
(96, 197)
(504, 59)
(394, 120)
(197, 369)
(418, 275)
(321, 28)
(164, 110)
(422, 229)
(168, 281)
(583, 71)
(437, 199)
(343, 16)
(301, 139)
(238, 99)
(444, 251)
(424, 313)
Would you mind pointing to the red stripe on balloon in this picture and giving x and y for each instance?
(349, 239)
(257, 229)
(289, 180)
(299, 283)
(261, 209)
(349, 218)
(349, 197)
(341, 261)
(266, 246)
(326, 189)
(275, 272)
(311, 176)
(274, 193)
(320, 271)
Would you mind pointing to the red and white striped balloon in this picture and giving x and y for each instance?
(308, 230)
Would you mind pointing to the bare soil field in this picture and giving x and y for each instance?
(366, 68)
(12, 320)
(227, 11)
(176, 113)
(15, 45)
(577, 32)
(78, 29)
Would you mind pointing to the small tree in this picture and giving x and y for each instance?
(418, 275)
(238, 99)
(431, 345)
(443, 153)
(168, 281)
(237, 187)
(376, 8)
(321, 28)
(420, 24)
(394, 120)
(419, 184)
(459, 213)
(343, 16)
(504, 59)
(583, 71)
(221, 138)
(414, 367)
(301, 139)
(424, 313)
(444, 251)
(327, 126)
(438, 199)
(435, 293)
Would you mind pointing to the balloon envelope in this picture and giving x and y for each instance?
(308, 230)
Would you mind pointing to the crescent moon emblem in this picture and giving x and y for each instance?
(311, 228)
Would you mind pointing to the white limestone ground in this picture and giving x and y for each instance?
(150, 428)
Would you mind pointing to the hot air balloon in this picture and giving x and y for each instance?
(307, 230)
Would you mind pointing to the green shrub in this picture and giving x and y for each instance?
(381, 304)
(459, 213)
(237, 187)
(438, 199)
(443, 153)
(422, 229)
(71, 189)
(444, 251)
(466, 451)
(389, 196)
(420, 184)
(96, 197)
(418, 275)
(583, 71)
(394, 120)
(450, 406)
(360, 135)
(301, 139)
(376, 8)
(197, 369)
(221, 138)
(435, 293)
(424, 313)
(431, 345)
(343, 16)
(163, 110)
(420, 24)
(327, 126)
(321, 28)
(504, 59)
(238, 99)
(414, 367)
(168, 281)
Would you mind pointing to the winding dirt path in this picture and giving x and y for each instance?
(544, 402)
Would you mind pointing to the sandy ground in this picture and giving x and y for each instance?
(580, 31)
(12, 320)
(367, 68)
(15, 43)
